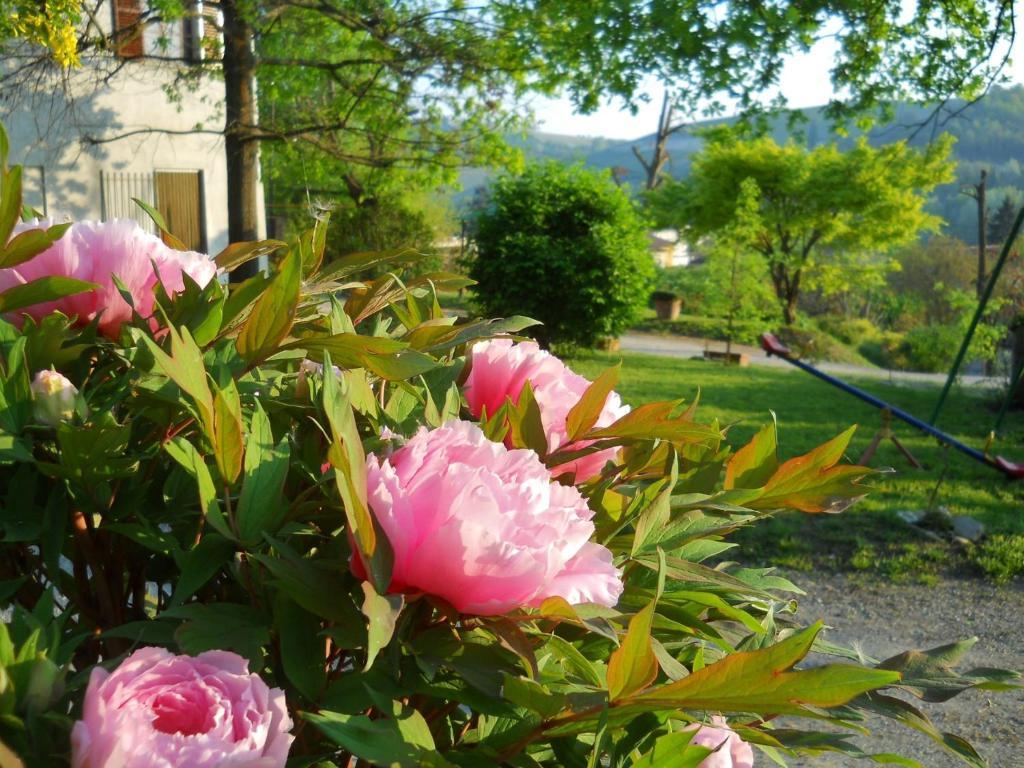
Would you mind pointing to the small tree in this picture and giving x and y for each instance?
(735, 281)
(565, 246)
(814, 203)
(1002, 222)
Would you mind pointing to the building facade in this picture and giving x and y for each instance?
(135, 121)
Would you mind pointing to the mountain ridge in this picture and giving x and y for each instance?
(990, 136)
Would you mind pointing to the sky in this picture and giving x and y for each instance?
(804, 82)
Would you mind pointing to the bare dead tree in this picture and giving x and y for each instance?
(654, 168)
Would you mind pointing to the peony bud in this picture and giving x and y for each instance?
(53, 398)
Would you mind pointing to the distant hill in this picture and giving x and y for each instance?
(990, 135)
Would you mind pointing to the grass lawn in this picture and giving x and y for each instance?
(869, 537)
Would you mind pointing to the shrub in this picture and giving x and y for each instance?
(218, 548)
(563, 245)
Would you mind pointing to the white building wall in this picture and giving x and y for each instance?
(46, 130)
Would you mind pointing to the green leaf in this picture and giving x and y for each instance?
(813, 482)
(241, 298)
(524, 692)
(260, 504)
(30, 243)
(236, 254)
(633, 665)
(436, 339)
(907, 714)
(381, 612)
(227, 431)
(583, 416)
(673, 750)
(144, 533)
(315, 585)
(185, 367)
(40, 291)
(303, 648)
(571, 655)
(183, 452)
(10, 201)
(363, 260)
(221, 626)
(763, 681)
(930, 675)
(161, 224)
(655, 420)
(200, 564)
(387, 358)
(400, 741)
(349, 461)
(526, 423)
(754, 464)
(274, 312)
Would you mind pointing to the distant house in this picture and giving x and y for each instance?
(90, 147)
(668, 249)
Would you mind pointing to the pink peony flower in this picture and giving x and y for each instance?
(732, 752)
(158, 710)
(484, 527)
(94, 252)
(500, 370)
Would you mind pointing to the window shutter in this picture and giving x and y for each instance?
(129, 32)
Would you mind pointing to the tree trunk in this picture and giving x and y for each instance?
(789, 309)
(659, 157)
(787, 291)
(240, 144)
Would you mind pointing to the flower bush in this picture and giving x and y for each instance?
(300, 520)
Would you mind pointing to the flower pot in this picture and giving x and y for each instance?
(667, 307)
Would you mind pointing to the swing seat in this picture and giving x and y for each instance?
(1012, 470)
(770, 343)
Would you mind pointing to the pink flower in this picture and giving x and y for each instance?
(94, 252)
(500, 369)
(484, 527)
(732, 752)
(158, 710)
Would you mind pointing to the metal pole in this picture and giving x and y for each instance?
(897, 412)
(982, 302)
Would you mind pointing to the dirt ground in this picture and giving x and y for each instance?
(884, 619)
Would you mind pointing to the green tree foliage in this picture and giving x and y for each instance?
(565, 246)
(937, 261)
(814, 203)
(737, 287)
(1000, 224)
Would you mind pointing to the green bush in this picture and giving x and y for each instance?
(563, 245)
(879, 347)
(934, 347)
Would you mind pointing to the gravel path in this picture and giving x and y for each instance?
(884, 619)
(687, 347)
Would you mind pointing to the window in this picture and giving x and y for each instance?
(116, 192)
(177, 195)
(201, 33)
(179, 198)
